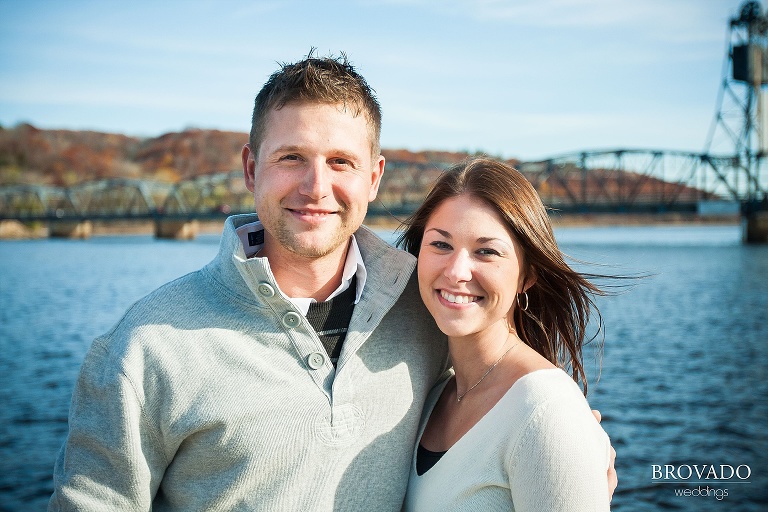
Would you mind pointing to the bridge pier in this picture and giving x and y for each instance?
(70, 229)
(176, 229)
(13, 229)
(756, 227)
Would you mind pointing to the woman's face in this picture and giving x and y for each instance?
(469, 268)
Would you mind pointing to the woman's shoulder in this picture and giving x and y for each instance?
(548, 400)
(557, 420)
(544, 384)
(552, 402)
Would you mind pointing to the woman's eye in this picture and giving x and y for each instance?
(437, 244)
(488, 252)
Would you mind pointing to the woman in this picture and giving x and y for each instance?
(509, 430)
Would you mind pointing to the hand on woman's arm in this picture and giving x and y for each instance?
(613, 477)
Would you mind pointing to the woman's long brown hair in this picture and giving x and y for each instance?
(560, 303)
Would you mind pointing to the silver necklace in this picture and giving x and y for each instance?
(489, 370)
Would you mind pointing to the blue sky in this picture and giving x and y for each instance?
(514, 78)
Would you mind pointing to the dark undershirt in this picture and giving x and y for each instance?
(425, 459)
(330, 319)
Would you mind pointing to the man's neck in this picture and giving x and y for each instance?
(301, 276)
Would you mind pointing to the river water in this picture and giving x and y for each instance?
(683, 383)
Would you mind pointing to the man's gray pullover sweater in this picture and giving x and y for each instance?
(212, 394)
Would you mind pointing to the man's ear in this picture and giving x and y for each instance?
(249, 166)
(376, 174)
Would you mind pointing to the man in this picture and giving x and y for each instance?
(290, 372)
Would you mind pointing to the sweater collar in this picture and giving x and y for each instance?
(379, 259)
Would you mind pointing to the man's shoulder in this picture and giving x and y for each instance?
(171, 304)
(171, 296)
(374, 247)
(409, 310)
(158, 326)
(411, 296)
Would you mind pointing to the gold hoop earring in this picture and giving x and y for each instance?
(525, 294)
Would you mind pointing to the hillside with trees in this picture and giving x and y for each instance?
(29, 155)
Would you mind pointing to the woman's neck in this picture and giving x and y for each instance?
(472, 356)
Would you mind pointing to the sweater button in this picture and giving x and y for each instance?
(291, 319)
(266, 290)
(315, 360)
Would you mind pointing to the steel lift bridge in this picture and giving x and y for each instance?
(728, 177)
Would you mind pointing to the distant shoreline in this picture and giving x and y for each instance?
(595, 219)
(14, 230)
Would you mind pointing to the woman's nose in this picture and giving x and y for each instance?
(459, 267)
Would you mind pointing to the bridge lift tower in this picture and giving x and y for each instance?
(740, 128)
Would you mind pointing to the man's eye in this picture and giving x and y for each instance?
(289, 157)
(340, 161)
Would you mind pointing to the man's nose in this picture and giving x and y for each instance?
(316, 182)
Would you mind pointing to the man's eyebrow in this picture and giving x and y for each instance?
(345, 154)
(287, 149)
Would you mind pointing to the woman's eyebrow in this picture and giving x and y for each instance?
(441, 231)
(486, 239)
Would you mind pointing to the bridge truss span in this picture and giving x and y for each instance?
(636, 180)
(208, 195)
(118, 198)
(604, 181)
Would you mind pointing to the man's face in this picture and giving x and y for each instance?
(312, 178)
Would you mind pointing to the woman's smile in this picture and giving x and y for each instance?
(458, 298)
